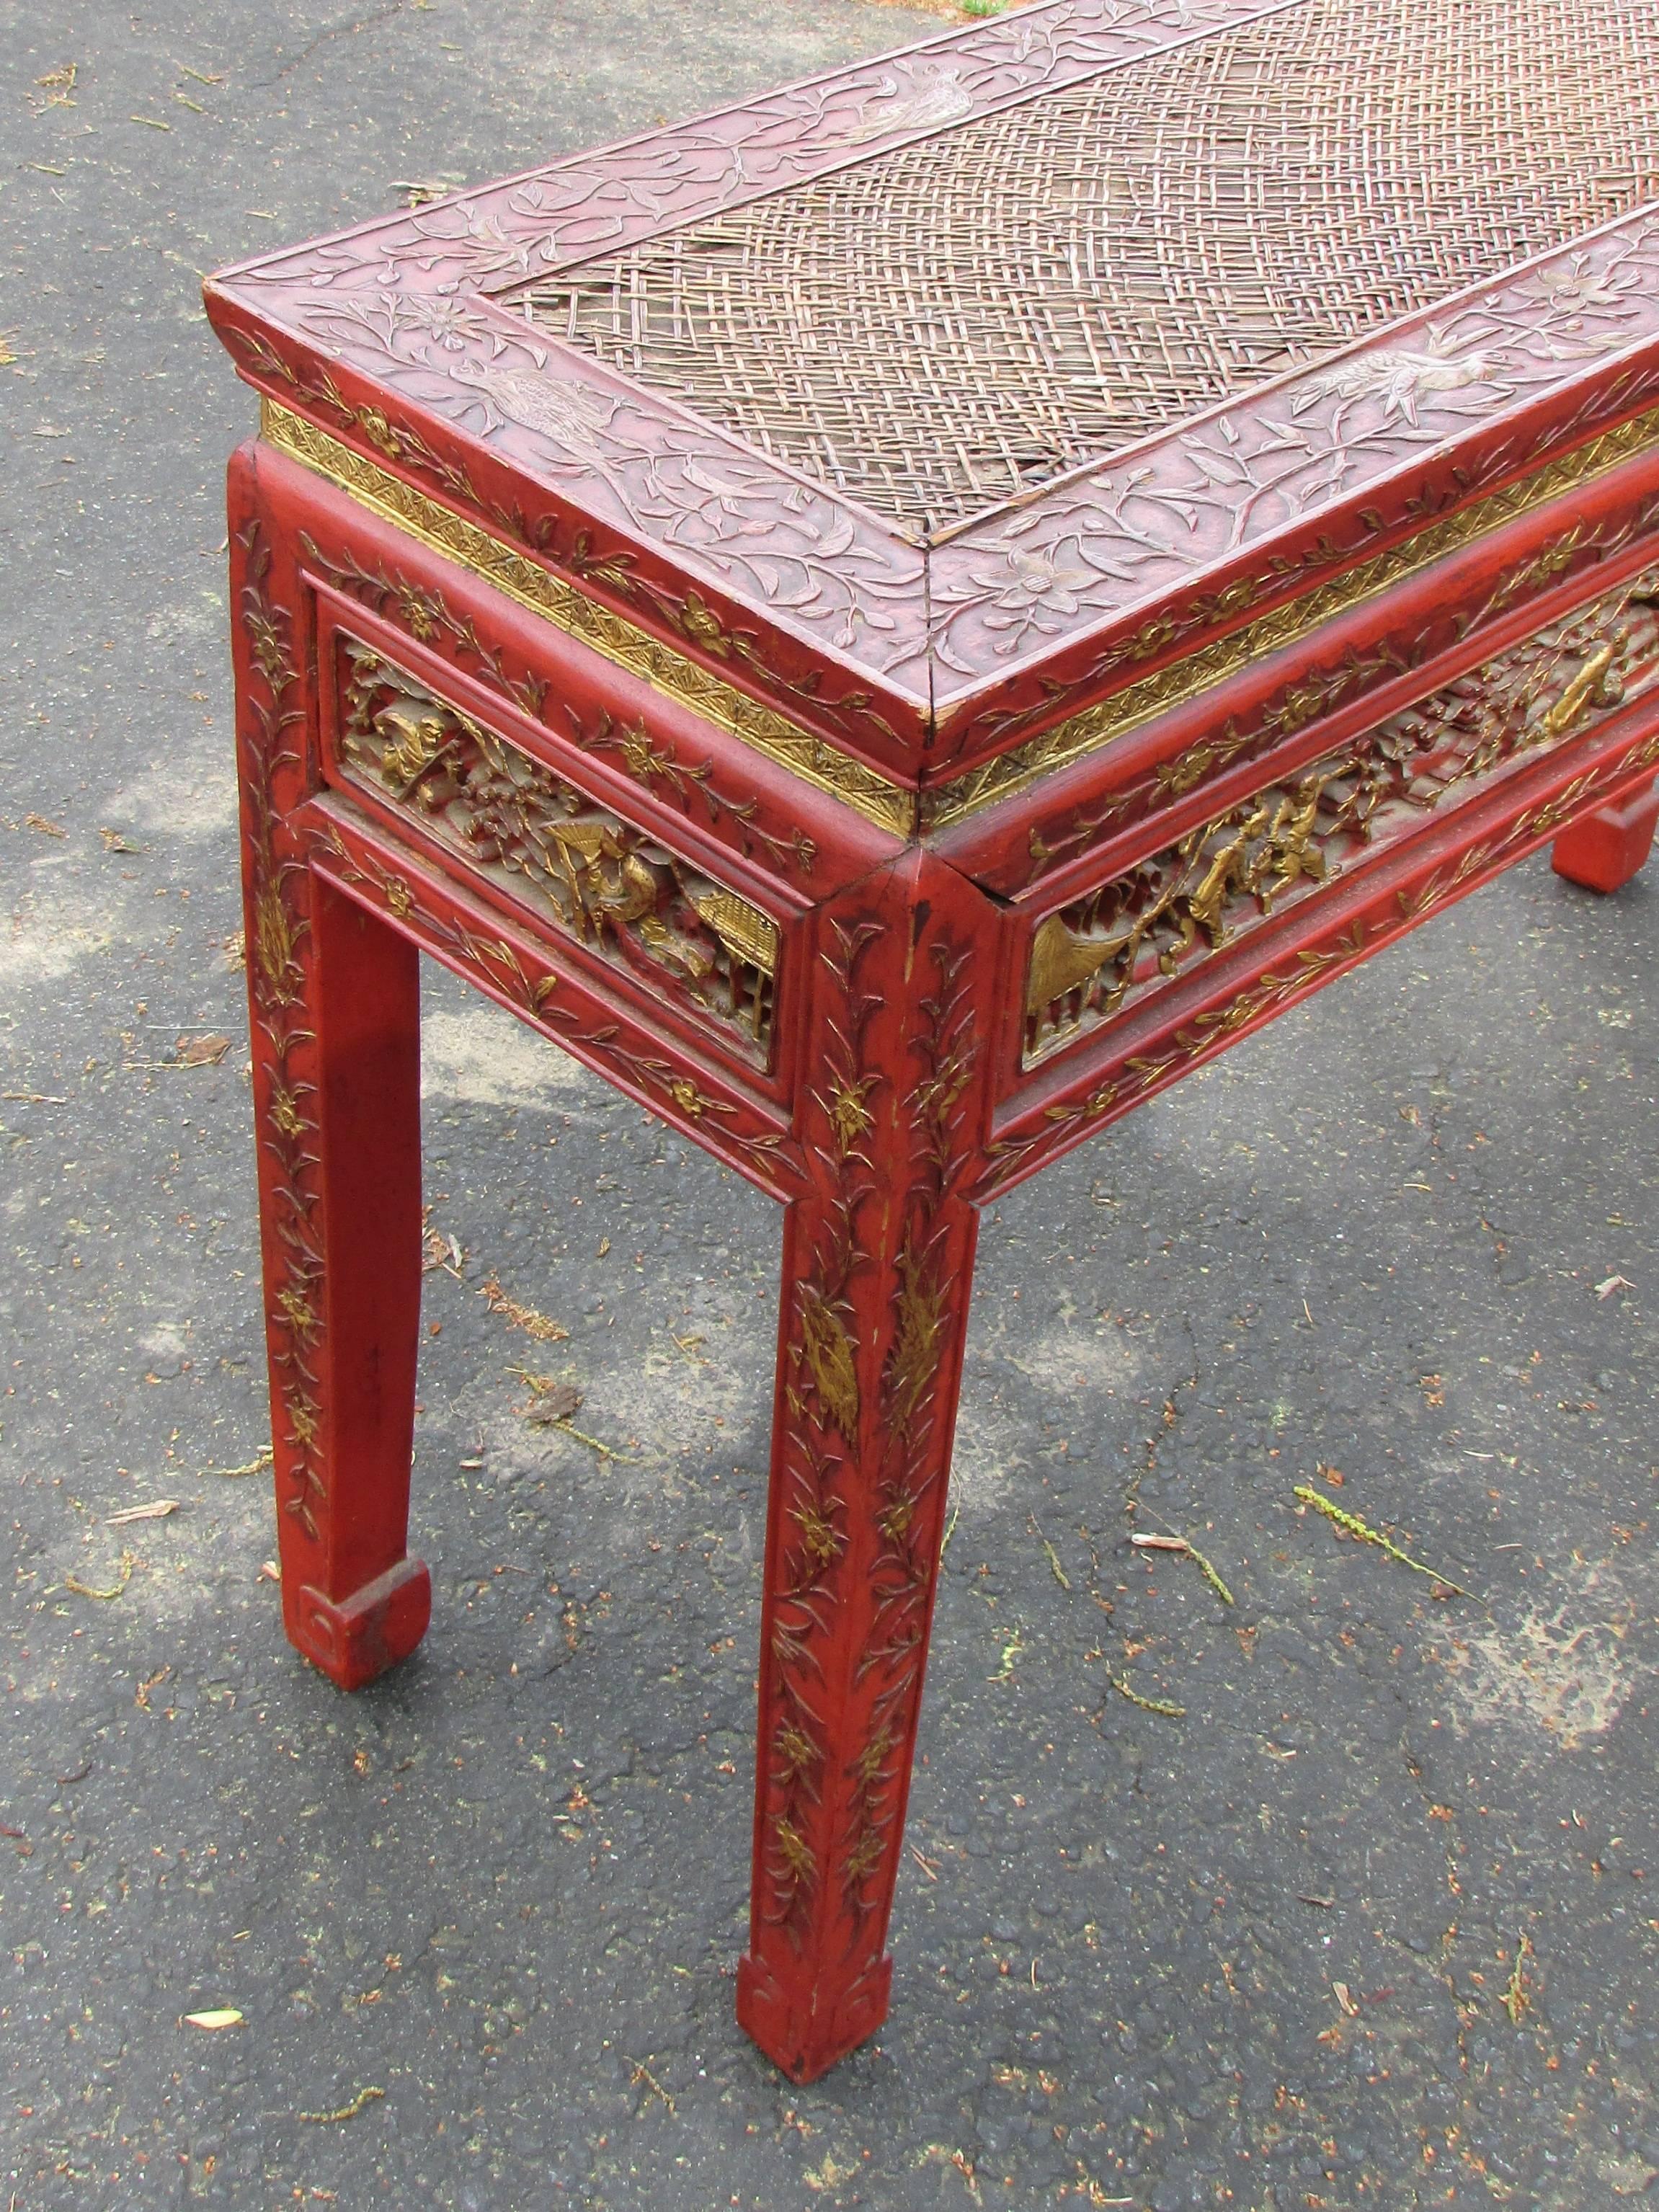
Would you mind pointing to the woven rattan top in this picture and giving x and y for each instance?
(944, 324)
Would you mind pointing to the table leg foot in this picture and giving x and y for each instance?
(354, 1639)
(803, 2031)
(1605, 849)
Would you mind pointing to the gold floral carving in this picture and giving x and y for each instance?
(276, 981)
(685, 681)
(824, 765)
(598, 877)
(1065, 1124)
(1227, 875)
(823, 1411)
(912, 1464)
(531, 987)
(427, 615)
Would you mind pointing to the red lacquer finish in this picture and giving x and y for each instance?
(878, 1263)
(1604, 850)
(885, 864)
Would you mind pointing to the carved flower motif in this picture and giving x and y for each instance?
(687, 1097)
(1571, 289)
(702, 626)
(446, 320)
(305, 1417)
(400, 897)
(378, 432)
(420, 613)
(284, 1111)
(1030, 588)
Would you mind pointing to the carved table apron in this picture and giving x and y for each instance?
(893, 622)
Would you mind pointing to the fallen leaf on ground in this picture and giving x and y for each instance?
(1344, 1998)
(544, 1329)
(440, 1251)
(38, 821)
(220, 2016)
(550, 1407)
(202, 1051)
(1613, 1283)
(155, 1509)
(556, 1403)
(269, 1572)
(115, 842)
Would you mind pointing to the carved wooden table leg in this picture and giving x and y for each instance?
(334, 997)
(1605, 850)
(877, 1268)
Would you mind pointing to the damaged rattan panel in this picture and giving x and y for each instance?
(941, 326)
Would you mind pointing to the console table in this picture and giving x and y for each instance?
(895, 620)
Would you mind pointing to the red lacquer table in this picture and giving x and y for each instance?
(893, 622)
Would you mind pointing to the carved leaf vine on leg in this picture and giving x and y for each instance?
(276, 982)
(822, 1403)
(910, 1468)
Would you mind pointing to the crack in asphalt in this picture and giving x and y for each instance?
(322, 37)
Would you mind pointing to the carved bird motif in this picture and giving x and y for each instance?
(568, 414)
(925, 102)
(1399, 376)
(416, 730)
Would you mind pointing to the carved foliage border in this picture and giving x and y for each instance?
(822, 1413)
(1029, 581)
(1068, 1120)
(575, 608)
(1015, 589)
(1314, 823)
(279, 924)
(1323, 690)
(906, 1505)
(691, 787)
(505, 234)
(529, 983)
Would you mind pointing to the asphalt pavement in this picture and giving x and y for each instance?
(1339, 1891)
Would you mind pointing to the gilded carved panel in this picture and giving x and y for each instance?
(556, 852)
(1229, 875)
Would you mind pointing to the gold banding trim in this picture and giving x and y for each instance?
(1097, 726)
(888, 804)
